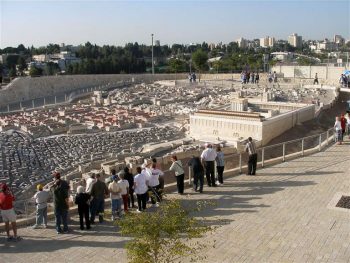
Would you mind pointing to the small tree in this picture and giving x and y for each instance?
(35, 72)
(200, 61)
(176, 65)
(13, 72)
(164, 235)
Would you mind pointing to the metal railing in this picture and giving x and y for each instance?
(277, 153)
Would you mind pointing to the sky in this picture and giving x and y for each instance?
(75, 22)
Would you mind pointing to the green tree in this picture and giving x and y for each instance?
(35, 72)
(51, 68)
(200, 61)
(13, 72)
(21, 64)
(304, 61)
(176, 65)
(163, 235)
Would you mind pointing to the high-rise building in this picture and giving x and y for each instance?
(157, 43)
(242, 43)
(295, 40)
(267, 41)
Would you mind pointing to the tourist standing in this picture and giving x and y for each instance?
(208, 157)
(338, 130)
(253, 78)
(140, 186)
(154, 184)
(116, 202)
(347, 117)
(250, 148)
(248, 77)
(161, 178)
(89, 183)
(41, 197)
(130, 178)
(60, 190)
(343, 123)
(179, 174)
(198, 173)
(194, 77)
(98, 193)
(8, 213)
(124, 189)
(257, 77)
(269, 77)
(82, 200)
(220, 164)
(274, 77)
(316, 79)
(243, 77)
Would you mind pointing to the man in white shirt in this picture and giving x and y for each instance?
(141, 188)
(208, 158)
(154, 184)
(124, 189)
(89, 183)
(41, 198)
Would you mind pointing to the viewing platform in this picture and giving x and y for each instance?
(286, 213)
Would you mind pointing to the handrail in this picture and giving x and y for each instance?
(296, 140)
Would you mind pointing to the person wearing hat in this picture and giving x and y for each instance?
(60, 190)
(82, 200)
(41, 197)
(115, 195)
(8, 213)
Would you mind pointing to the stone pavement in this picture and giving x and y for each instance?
(281, 215)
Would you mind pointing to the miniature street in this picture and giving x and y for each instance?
(284, 214)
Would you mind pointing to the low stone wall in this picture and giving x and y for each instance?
(327, 75)
(27, 88)
(275, 126)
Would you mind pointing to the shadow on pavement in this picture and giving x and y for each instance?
(232, 201)
(53, 242)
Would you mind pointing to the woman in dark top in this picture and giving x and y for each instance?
(130, 178)
(82, 200)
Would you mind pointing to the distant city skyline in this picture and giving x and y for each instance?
(39, 23)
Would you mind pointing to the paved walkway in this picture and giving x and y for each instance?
(280, 215)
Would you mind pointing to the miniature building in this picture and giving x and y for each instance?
(271, 120)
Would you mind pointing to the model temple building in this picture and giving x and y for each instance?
(261, 120)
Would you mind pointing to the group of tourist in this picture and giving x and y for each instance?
(342, 127)
(344, 80)
(192, 77)
(247, 77)
(147, 184)
(272, 77)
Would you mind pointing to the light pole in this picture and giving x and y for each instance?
(152, 57)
